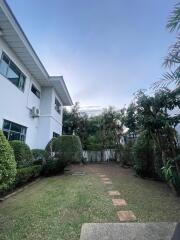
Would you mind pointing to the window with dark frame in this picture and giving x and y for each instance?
(9, 69)
(57, 105)
(35, 91)
(14, 131)
(55, 135)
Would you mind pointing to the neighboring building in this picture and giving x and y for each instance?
(31, 101)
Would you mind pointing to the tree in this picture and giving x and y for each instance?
(172, 61)
(130, 120)
(153, 116)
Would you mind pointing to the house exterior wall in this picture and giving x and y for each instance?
(15, 105)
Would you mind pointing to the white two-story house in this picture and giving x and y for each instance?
(31, 101)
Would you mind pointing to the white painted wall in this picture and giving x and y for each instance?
(15, 106)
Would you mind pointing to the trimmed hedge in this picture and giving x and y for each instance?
(22, 152)
(60, 152)
(7, 162)
(39, 156)
(26, 174)
(67, 146)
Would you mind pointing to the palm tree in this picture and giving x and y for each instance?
(172, 61)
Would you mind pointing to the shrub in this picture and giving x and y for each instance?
(143, 153)
(61, 151)
(68, 147)
(22, 152)
(23, 176)
(124, 154)
(7, 163)
(39, 156)
(26, 174)
(128, 154)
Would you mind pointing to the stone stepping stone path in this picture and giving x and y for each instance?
(119, 202)
(107, 182)
(105, 179)
(126, 216)
(114, 193)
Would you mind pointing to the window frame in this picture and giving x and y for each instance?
(37, 90)
(22, 133)
(8, 67)
(57, 105)
(55, 135)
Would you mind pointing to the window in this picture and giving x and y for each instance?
(12, 72)
(55, 135)
(14, 131)
(57, 105)
(35, 91)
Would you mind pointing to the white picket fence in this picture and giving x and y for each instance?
(99, 156)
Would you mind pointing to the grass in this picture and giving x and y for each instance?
(151, 201)
(55, 208)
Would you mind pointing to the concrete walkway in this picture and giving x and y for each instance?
(129, 231)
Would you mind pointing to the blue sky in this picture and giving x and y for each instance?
(105, 49)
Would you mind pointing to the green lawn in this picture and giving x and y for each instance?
(55, 208)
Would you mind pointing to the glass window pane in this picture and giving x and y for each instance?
(13, 74)
(23, 130)
(57, 105)
(14, 136)
(4, 64)
(22, 138)
(15, 127)
(6, 125)
(35, 91)
(22, 82)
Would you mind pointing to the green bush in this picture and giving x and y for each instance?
(23, 176)
(143, 155)
(94, 147)
(22, 152)
(39, 156)
(26, 174)
(68, 147)
(7, 163)
(124, 154)
(60, 152)
(128, 154)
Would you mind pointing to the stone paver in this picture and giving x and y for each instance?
(102, 175)
(107, 182)
(105, 179)
(119, 202)
(126, 216)
(114, 193)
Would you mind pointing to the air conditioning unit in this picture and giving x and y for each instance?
(35, 112)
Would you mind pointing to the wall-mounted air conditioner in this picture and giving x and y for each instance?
(35, 112)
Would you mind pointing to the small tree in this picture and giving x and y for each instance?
(7, 163)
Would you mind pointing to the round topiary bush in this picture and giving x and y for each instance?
(7, 163)
(68, 146)
(23, 154)
(61, 151)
